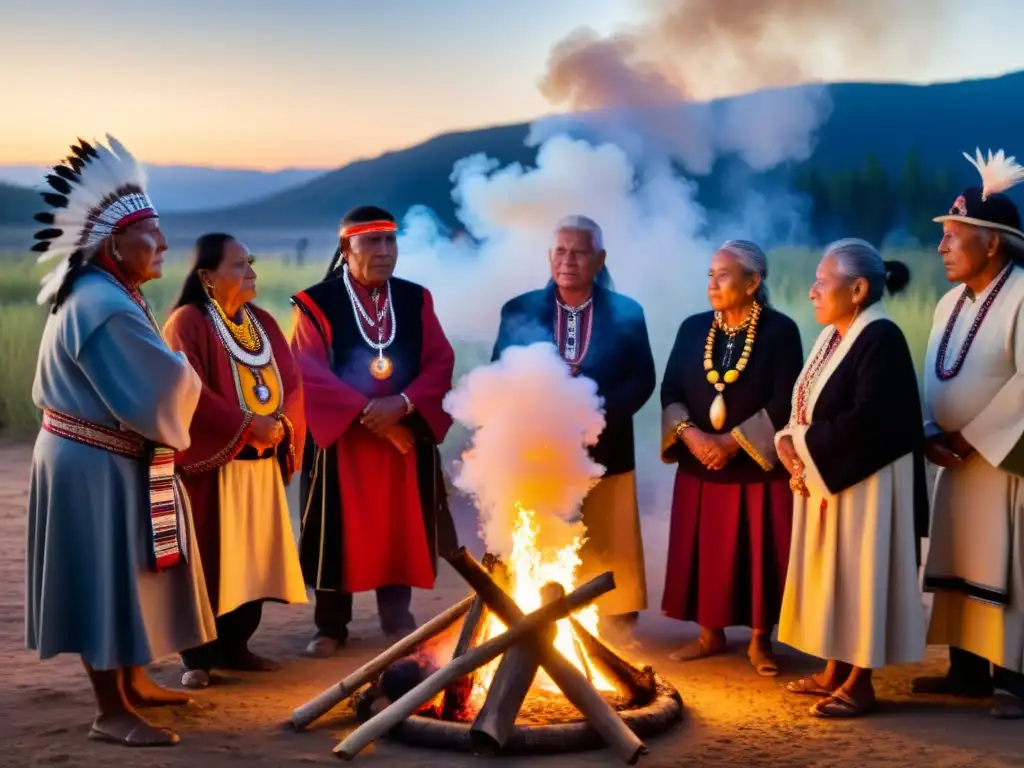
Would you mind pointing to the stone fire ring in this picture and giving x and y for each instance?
(657, 717)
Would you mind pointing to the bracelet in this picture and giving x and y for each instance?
(682, 427)
(409, 408)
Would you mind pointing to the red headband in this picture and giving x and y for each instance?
(132, 218)
(371, 226)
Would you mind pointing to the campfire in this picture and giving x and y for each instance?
(509, 684)
(530, 568)
(520, 664)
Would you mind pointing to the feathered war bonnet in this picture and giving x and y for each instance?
(987, 205)
(97, 191)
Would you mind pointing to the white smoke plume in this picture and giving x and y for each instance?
(650, 229)
(532, 422)
(644, 79)
(630, 97)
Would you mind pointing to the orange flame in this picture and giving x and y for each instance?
(530, 568)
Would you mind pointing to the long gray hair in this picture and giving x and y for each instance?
(753, 262)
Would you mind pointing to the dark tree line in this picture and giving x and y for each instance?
(872, 203)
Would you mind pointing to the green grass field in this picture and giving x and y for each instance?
(21, 320)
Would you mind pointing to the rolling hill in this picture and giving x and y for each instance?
(190, 188)
(885, 120)
(18, 204)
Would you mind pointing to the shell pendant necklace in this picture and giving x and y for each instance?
(718, 413)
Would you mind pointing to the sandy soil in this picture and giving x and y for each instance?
(732, 716)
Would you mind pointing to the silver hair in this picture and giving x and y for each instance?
(1012, 246)
(753, 262)
(859, 258)
(585, 224)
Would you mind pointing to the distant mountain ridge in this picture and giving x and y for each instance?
(883, 120)
(17, 204)
(189, 188)
(886, 120)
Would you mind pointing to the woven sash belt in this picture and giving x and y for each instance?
(166, 497)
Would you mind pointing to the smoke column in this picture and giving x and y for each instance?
(631, 96)
(643, 79)
(533, 421)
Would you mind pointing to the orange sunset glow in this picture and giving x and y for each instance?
(271, 85)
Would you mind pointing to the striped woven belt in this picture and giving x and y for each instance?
(81, 431)
(167, 538)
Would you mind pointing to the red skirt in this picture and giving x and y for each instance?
(728, 552)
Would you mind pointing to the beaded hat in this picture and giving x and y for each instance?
(987, 205)
(95, 192)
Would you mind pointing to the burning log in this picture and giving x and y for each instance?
(456, 697)
(511, 683)
(640, 683)
(337, 693)
(523, 630)
(569, 680)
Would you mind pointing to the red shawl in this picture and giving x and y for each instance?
(219, 427)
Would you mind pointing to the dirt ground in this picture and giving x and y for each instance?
(732, 717)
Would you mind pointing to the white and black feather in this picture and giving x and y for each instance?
(88, 193)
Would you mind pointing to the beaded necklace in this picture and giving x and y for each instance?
(568, 341)
(247, 342)
(381, 367)
(943, 373)
(245, 333)
(718, 380)
(814, 371)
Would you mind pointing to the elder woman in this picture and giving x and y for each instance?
(854, 449)
(726, 391)
(246, 437)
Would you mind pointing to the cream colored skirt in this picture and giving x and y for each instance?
(258, 556)
(851, 590)
(614, 543)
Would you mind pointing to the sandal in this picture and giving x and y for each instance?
(764, 662)
(1006, 706)
(139, 735)
(808, 686)
(841, 704)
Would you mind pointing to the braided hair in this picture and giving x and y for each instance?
(76, 262)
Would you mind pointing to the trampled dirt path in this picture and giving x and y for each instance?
(732, 717)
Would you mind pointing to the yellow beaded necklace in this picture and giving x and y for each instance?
(717, 380)
(244, 333)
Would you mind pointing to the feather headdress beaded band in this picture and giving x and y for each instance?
(95, 192)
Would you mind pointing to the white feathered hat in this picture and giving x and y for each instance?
(97, 191)
(987, 205)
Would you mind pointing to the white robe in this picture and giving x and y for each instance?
(976, 550)
(851, 590)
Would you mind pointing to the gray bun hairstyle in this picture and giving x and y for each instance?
(753, 262)
(858, 258)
